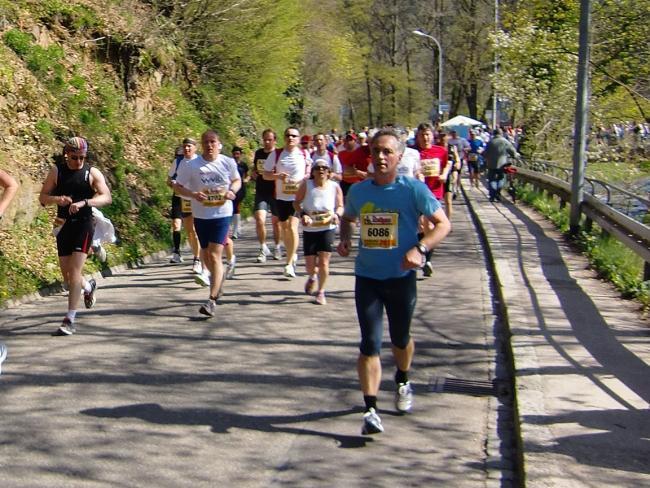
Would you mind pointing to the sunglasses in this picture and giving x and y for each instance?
(321, 168)
(292, 135)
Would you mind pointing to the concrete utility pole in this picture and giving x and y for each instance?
(440, 78)
(581, 119)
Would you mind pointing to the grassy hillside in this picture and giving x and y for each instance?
(98, 70)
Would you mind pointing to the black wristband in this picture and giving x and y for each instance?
(422, 248)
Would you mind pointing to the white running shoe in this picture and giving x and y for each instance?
(100, 253)
(202, 279)
(176, 258)
(209, 309)
(277, 254)
(3, 354)
(197, 268)
(371, 423)
(289, 271)
(404, 397)
(230, 268)
(265, 249)
(261, 257)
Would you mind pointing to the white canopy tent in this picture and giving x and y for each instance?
(461, 120)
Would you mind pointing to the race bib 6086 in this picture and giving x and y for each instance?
(379, 230)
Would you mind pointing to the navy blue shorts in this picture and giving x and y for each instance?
(212, 230)
(398, 297)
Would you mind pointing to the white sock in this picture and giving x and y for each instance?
(71, 315)
(85, 287)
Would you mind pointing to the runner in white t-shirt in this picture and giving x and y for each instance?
(288, 167)
(211, 181)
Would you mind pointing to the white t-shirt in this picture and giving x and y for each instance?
(409, 165)
(292, 163)
(173, 169)
(333, 162)
(213, 178)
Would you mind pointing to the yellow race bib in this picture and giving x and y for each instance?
(186, 206)
(320, 219)
(216, 197)
(259, 165)
(430, 167)
(290, 187)
(379, 230)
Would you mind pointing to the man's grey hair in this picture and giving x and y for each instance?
(387, 131)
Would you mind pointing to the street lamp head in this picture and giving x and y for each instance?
(418, 32)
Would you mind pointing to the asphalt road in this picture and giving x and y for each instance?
(150, 393)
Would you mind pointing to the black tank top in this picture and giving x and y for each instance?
(74, 183)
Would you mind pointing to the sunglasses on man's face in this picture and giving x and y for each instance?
(292, 135)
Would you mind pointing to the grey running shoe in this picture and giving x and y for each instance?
(90, 298)
(3, 354)
(230, 268)
(209, 308)
(404, 397)
(67, 327)
(371, 423)
(176, 258)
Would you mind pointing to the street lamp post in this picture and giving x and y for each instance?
(495, 95)
(423, 34)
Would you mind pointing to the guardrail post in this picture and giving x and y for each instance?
(646, 271)
(589, 225)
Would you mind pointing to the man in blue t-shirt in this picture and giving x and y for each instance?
(388, 207)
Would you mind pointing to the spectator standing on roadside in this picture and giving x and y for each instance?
(496, 154)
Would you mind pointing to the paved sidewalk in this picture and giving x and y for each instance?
(581, 353)
(149, 393)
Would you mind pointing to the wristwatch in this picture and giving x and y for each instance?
(422, 248)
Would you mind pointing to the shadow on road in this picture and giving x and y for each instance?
(221, 421)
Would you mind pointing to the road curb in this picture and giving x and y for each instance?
(506, 420)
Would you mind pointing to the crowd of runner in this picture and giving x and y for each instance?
(394, 187)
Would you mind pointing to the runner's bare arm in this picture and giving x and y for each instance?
(46, 198)
(10, 186)
(430, 240)
(235, 185)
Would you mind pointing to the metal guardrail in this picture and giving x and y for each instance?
(632, 233)
(626, 202)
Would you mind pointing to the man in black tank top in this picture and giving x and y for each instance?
(75, 187)
(265, 199)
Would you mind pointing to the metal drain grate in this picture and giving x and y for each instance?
(442, 384)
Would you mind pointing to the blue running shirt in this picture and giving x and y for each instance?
(388, 215)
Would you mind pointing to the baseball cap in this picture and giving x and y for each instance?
(189, 140)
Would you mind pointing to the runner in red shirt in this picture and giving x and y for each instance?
(434, 164)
